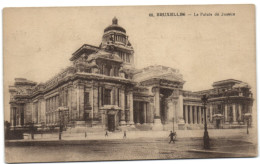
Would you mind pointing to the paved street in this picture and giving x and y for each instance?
(238, 144)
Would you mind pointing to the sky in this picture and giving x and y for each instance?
(38, 42)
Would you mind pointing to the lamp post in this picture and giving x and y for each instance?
(61, 111)
(247, 116)
(204, 100)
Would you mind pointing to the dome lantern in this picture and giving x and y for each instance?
(115, 26)
(114, 21)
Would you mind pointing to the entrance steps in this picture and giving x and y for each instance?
(143, 127)
(87, 129)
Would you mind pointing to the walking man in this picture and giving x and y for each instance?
(124, 134)
(106, 135)
(171, 137)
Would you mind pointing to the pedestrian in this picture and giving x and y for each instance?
(171, 137)
(106, 135)
(124, 134)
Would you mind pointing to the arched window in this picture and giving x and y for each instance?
(107, 97)
(116, 71)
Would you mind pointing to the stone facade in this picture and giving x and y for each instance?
(103, 89)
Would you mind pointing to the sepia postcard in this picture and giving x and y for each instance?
(129, 83)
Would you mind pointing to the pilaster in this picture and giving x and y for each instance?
(226, 114)
(191, 114)
(131, 107)
(234, 114)
(186, 114)
(122, 117)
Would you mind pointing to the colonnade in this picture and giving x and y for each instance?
(17, 115)
(127, 111)
(236, 113)
(142, 113)
(52, 104)
(193, 114)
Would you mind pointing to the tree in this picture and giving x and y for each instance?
(7, 129)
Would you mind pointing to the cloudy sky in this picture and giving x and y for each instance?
(38, 42)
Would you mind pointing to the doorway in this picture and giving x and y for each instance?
(218, 123)
(111, 122)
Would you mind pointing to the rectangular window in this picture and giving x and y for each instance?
(126, 101)
(14, 115)
(86, 97)
(107, 70)
(86, 101)
(107, 97)
(219, 109)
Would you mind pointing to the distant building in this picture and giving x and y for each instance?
(103, 89)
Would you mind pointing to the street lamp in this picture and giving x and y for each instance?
(61, 111)
(247, 116)
(60, 129)
(204, 100)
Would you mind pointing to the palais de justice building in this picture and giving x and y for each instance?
(102, 89)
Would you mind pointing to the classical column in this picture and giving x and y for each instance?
(11, 116)
(226, 113)
(69, 102)
(191, 114)
(171, 110)
(240, 112)
(54, 103)
(202, 115)
(199, 115)
(180, 110)
(157, 104)
(81, 101)
(131, 107)
(195, 115)
(137, 110)
(122, 118)
(53, 109)
(100, 90)
(20, 114)
(157, 117)
(113, 96)
(145, 107)
(234, 113)
(116, 96)
(95, 101)
(186, 114)
(148, 113)
(77, 101)
(210, 112)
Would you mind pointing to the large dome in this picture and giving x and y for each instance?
(115, 26)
